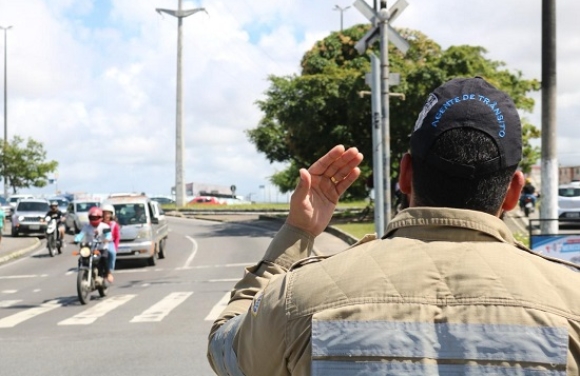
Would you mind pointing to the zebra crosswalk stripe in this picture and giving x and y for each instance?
(218, 308)
(17, 318)
(8, 303)
(162, 308)
(92, 314)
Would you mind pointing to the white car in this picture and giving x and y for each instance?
(569, 201)
(28, 217)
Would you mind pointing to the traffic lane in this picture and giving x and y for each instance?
(224, 249)
(124, 337)
(37, 274)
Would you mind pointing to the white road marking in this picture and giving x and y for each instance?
(22, 276)
(8, 303)
(11, 321)
(92, 314)
(224, 280)
(9, 291)
(218, 308)
(238, 265)
(36, 290)
(162, 308)
(193, 253)
(126, 271)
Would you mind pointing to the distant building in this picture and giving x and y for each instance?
(202, 189)
(568, 174)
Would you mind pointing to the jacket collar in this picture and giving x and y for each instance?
(433, 224)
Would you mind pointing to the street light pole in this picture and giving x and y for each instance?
(179, 143)
(342, 10)
(5, 105)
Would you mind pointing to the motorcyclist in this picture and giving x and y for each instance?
(529, 190)
(55, 213)
(96, 227)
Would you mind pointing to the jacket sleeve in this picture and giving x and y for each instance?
(116, 235)
(248, 336)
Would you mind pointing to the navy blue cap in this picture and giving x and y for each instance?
(469, 103)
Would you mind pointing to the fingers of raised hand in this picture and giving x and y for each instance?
(321, 165)
(342, 168)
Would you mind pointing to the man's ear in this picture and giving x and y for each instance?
(512, 197)
(406, 174)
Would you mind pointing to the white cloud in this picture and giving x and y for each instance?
(94, 81)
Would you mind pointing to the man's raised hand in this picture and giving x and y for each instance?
(319, 188)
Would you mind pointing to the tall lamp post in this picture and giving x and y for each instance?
(179, 143)
(5, 106)
(342, 10)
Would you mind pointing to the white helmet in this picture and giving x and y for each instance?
(108, 207)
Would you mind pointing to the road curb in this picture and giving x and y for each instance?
(344, 236)
(17, 254)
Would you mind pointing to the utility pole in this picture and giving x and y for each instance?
(5, 106)
(342, 10)
(381, 29)
(385, 127)
(549, 207)
(179, 142)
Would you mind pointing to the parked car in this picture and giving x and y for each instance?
(77, 214)
(206, 200)
(28, 217)
(13, 199)
(163, 200)
(5, 205)
(569, 201)
(144, 229)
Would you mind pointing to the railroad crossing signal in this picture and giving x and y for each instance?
(375, 17)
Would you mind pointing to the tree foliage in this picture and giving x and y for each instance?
(25, 164)
(305, 115)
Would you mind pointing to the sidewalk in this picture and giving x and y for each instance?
(12, 248)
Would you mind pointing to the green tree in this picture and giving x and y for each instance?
(307, 114)
(25, 164)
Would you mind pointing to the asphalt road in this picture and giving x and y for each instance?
(155, 320)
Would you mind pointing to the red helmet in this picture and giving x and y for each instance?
(95, 216)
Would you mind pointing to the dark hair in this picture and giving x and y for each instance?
(432, 187)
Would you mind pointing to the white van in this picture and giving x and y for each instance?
(144, 229)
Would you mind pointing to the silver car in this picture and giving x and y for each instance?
(28, 217)
(77, 214)
(144, 229)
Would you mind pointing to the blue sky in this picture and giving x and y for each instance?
(94, 80)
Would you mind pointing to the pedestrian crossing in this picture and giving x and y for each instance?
(94, 311)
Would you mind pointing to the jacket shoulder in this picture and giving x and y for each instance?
(306, 261)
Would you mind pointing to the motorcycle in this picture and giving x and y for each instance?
(527, 204)
(91, 272)
(53, 241)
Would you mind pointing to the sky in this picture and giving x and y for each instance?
(95, 80)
